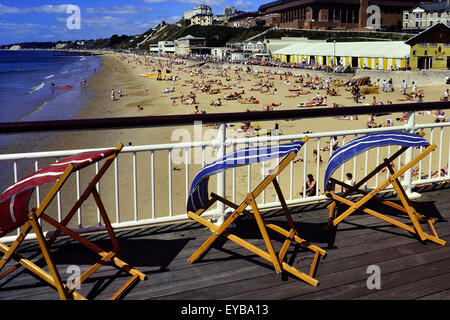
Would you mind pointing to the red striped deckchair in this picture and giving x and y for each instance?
(14, 213)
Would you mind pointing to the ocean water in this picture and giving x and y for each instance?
(25, 84)
(26, 95)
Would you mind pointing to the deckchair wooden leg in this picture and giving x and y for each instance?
(303, 276)
(312, 270)
(287, 214)
(7, 255)
(215, 234)
(286, 245)
(300, 275)
(104, 215)
(264, 233)
(276, 228)
(406, 204)
(391, 220)
(41, 273)
(124, 287)
(48, 259)
(92, 270)
(93, 247)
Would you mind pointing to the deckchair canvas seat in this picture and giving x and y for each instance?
(362, 144)
(199, 202)
(14, 213)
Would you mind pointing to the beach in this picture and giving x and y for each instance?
(121, 73)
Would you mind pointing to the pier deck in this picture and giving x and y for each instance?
(409, 269)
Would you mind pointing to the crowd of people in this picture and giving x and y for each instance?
(246, 84)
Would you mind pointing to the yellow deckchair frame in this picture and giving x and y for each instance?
(53, 278)
(405, 207)
(250, 200)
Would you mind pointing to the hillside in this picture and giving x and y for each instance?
(216, 36)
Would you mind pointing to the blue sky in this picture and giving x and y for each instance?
(36, 20)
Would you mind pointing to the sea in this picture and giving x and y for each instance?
(27, 93)
(26, 78)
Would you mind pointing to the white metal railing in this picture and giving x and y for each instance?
(134, 196)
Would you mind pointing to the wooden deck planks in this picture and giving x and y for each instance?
(409, 268)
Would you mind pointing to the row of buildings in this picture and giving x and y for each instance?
(429, 49)
(399, 15)
(202, 15)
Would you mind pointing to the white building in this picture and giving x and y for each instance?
(426, 15)
(240, 56)
(385, 55)
(189, 43)
(254, 46)
(166, 46)
(220, 52)
(201, 9)
(275, 44)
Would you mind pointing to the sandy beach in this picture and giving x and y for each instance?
(121, 72)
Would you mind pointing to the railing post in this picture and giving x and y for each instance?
(410, 124)
(221, 150)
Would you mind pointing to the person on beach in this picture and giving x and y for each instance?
(310, 190)
(385, 88)
(315, 155)
(356, 93)
(371, 122)
(445, 96)
(334, 142)
(217, 103)
(113, 95)
(404, 86)
(196, 111)
(374, 101)
(349, 181)
(419, 96)
(388, 123)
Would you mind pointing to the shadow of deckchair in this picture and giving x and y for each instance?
(150, 255)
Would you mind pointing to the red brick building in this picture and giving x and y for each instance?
(336, 15)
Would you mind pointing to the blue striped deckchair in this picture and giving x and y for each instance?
(362, 144)
(198, 202)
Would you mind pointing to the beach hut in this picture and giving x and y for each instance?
(386, 55)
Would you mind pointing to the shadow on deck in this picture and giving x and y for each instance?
(409, 268)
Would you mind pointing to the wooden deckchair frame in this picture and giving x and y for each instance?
(53, 278)
(405, 207)
(269, 255)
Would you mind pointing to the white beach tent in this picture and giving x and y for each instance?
(371, 54)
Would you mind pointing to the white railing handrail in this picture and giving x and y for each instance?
(212, 143)
(220, 144)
